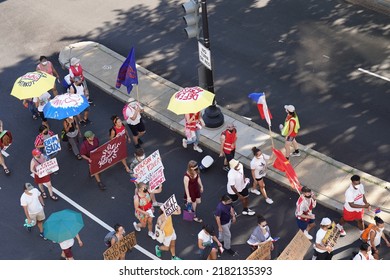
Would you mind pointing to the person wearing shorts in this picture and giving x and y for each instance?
(40, 103)
(169, 243)
(355, 203)
(303, 212)
(67, 245)
(259, 170)
(236, 186)
(134, 120)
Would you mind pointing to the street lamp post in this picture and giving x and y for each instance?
(212, 115)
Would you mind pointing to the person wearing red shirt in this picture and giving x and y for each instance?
(193, 124)
(228, 145)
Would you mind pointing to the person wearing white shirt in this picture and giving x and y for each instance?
(323, 251)
(132, 115)
(40, 103)
(364, 253)
(355, 203)
(259, 170)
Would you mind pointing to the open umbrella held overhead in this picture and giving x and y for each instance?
(65, 105)
(63, 225)
(190, 100)
(32, 84)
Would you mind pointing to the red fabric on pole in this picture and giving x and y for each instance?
(282, 164)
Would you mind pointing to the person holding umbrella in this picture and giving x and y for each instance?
(40, 103)
(67, 245)
(194, 123)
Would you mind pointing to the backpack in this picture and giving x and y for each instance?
(366, 233)
(108, 237)
(125, 116)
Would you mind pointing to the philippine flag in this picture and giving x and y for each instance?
(259, 98)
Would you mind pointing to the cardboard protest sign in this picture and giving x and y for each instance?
(108, 154)
(263, 252)
(156, 179)
(170, 206)
(127, 243)
(145, 169)
(52, 145)
(332, 236)
(47, 167)
(297, 248)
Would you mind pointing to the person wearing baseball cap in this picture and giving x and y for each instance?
(290, 130)
(89, 144)
(228, 144)
(323, 251)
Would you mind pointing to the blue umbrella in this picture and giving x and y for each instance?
(65, 105)
(63, 225)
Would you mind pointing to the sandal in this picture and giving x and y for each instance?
(79, 157)
(6, 171)
(198, 220)
(44, 195)
(53, 197)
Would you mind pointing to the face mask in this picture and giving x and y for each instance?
(230, 130)
(44, 62)
(264, 227)
(77, 64)
(141, 157)
(381, 230)
(308, 196)
(46, 132)
(124, 232)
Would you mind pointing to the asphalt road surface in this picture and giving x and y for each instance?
(115, 205)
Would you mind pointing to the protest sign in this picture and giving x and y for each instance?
(156, 179)
(297, 248)
(332, 236)
(52, 145)
(170, 206)
(127, 243)
(145, 169)
(47, 167)
(108, 154)
(263, 252)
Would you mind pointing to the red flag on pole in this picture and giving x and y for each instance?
(282, 164)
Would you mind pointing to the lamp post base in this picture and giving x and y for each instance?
(213, 117)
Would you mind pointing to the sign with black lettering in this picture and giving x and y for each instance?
(204, 55)
(127, 243)
(170, 206)
(263, 252)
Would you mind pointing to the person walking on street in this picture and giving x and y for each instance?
(373, 235)
(117, 130)
(321, 250)
(67, 245)
(169, 243)
(37, 159)
(143, 210)
(260, 234)
(303, 213)
(193, 187)
(32, 203)
(30, 105)
(259, 170)
(193, 123)
(72, 131)
(89, 144)
(40, 103)
(139, 156)
(236, 186)
(118, 236)
(77, 87)
(3, 143)
(44, 133)
(364, 253)
(355, 203)
(228, 145)
(47, 67)
(132, 116)
(290, 130)
(208, 243)
(225, 216)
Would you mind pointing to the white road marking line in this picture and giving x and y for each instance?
(373, 74)
(100, 222)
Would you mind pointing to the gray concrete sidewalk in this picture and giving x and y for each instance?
(327, 177)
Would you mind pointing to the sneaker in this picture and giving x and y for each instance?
(251, 212)
(158, 251)
(307, 235)
(226, 168)
(341, 229)
(255, 191)
(244, 212)
(184, 142)
(296, 154)
(176, 258)
(102, 187)
(42, 236)
(198, 149)
(83, 122)
(137, 228)
(34, 117)
(157, 204)
(151, 234)
(269, 201)
(230, 252)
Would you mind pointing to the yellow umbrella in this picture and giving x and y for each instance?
(32, 84)
(190, 100)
